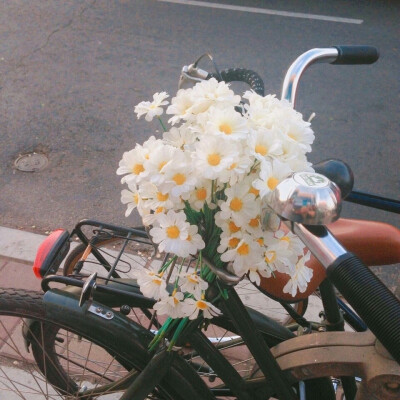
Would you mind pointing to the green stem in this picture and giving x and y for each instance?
(162, 124)
(167, 264)
(178, 331)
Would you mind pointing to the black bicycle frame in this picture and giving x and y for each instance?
(374, 201)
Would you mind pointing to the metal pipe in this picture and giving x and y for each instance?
(293, 75)
(319, 241)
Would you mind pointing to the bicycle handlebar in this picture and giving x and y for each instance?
(349, 55)
(333, 55)
(370, 298)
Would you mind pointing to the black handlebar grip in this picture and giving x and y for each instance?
(356, 55)
(242, 75)
(371, 299)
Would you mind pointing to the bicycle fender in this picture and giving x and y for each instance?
(122, 333)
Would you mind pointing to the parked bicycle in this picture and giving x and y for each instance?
(90, 337)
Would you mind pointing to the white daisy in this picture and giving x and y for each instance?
(179, 137)
(265, 143)
(157, 160)
(151, 283)
(131, 198)
(171, 233)
(192, 307)
(246, 253)
(224, 122)
(297, 130)
(213, 156)
(200, 195)
(300, 278)
(229, 241)
(227, 225)
(211, 92)
(294, 243)
(239, 205)
(271, 173)
(155, 199)
(181, 106)
(170, 305)
(193, 242)
(237, 170)
(133, 164)
(179, 179)
(153, 108)
(192, 283)
(279, 258)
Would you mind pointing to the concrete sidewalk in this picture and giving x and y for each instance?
(17, 254)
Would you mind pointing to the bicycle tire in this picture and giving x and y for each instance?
(16, 305)
(140, 253)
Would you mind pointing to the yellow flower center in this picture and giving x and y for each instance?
(176, 301)
(214, 159)
(260, 241)
(189, 238)
(161, 165)
(160, 210)
(179, 179)
(236, 204)
(244, 249)
(261, 149)
(173, 232)
(270, 256)
(162, 197)
(233, 242)
(136, 198)
(137, 169)
(201, 304)
(233, 166)
(201, 194)
(157, 281)
(286, 239)
(225, 128)
(192, 279)
(254, 191)
(272, 182)
(233, 228)
(255, 222)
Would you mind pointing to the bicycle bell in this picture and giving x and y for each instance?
(307, 198)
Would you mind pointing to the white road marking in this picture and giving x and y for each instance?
(265, 11)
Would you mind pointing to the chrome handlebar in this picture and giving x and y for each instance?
(295, 71)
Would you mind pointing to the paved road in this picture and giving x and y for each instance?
(72, 71)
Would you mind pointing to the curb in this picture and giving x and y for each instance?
(19, 245)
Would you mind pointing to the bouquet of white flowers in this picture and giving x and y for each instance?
(201, 189)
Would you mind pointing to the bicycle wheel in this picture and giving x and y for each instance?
(74, 360)
(139, 252)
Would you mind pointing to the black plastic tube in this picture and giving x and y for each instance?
(242, 75)
(371, 200)
(356, 55)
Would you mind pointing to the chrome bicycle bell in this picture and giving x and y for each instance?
(307, 198)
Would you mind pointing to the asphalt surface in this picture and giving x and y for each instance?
(72, 71)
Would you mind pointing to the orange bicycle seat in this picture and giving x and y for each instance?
(375, 243)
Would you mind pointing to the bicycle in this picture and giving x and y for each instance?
(62, 308)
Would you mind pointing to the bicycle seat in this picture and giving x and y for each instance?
(375, 243)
